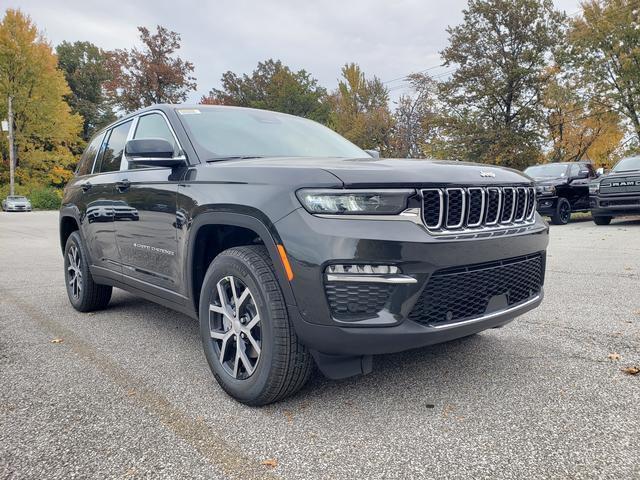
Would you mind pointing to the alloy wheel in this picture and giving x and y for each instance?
(565, 212)
(235, 328)
(74, 272)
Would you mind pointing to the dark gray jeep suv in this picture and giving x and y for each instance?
(293, 246)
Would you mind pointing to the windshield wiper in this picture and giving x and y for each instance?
(233, 157)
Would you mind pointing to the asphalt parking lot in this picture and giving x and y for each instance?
(127, 393)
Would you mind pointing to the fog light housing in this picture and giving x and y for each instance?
(355, 269)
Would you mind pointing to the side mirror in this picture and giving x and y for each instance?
(600, 171)
(373, 153)
(151, 152)
(583, 174)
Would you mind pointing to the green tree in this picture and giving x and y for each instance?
(605, 48)
(417, 120)
(46, 132)
(84, 67)
(501, 49)
(273, 86)
(153, 75)
(360, 111)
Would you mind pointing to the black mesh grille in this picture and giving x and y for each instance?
(521, 203)
(493, 205)
(458, 294)
(455, 207)
(531, 204)
(475, 206)
(356, 299)
(431, 208)
(507, 204)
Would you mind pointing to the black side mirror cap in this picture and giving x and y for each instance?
(152, 152)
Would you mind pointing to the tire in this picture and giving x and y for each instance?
(602, 220)
(84, 294)
(281, 365)
(562, 214)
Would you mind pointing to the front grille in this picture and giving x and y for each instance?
(453, 209)
(621, 203)
(629, 184)
(462, 293)
(349, 301)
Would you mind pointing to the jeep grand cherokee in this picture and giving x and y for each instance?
(292, 245)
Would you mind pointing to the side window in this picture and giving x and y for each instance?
(86, 161)
(112, 151)
(154, 126)
(575, 168)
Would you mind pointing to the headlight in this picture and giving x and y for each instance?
(546, 189)
(594, 188)
(355, 202)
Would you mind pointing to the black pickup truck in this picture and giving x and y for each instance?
(617, 193)
(562, 188)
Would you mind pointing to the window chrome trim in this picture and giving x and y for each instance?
(124, 162)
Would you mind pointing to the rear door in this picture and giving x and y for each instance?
(99, 197)
(146, 213)
(579, 186)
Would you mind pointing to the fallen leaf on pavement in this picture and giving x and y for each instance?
(614, 356)
(289, 416)
(628, 268)
(271, 463)
(631, 370)
(57, 340)
(131, 392)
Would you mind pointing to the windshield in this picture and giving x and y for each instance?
(626, 164)
(16, 197)
(222, 132)
(551, 170)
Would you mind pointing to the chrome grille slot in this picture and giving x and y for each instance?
(476, 209)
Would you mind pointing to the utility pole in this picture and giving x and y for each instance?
(12, 159)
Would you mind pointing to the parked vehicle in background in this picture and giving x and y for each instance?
(16, 203)
(562, 188)
(617, 193)
(292, 245)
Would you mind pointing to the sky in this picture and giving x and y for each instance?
(387, 38)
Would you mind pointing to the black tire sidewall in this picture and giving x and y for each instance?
(253, 387)
(74, 239)
(557, 218)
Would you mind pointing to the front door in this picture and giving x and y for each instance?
(145, 214)
(98, 197)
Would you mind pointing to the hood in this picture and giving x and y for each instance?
(550, 180)
(363, 172)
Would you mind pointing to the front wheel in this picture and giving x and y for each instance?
(249, 341)
(562, 214)
(84, 294)
(602, 220)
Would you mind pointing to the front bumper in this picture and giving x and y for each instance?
(18, 208)
(312, 243)
(615, 205)
(547, 204)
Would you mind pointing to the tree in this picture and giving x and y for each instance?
(417, 120)
(273, 86)
(605, 43)
(84, 67)
(360, 110)
(152, 75)
(46, 132)
(501, 50)
(579, 128)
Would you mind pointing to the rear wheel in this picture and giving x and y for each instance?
(250, 344)
(84, 294)
(562, 214)
(602, 220)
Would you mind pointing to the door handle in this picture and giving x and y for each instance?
(123, 185)
(86, 186)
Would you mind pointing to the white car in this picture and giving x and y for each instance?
(16, 203)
